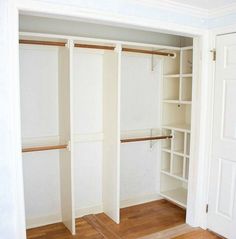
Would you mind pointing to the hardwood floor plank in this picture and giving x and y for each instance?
(154, 220)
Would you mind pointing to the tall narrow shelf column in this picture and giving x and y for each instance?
(176, 118)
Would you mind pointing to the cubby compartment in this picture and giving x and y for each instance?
(177, 165)
(174, 189)
(177, 116)
(178, 146)
(187, 60)
(166, 143)
(171, 88)
(172, 65)
(186, 89)
(186, 168)
(165, 164)
(187, 144)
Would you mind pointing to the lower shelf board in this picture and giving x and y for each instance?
(178, 196)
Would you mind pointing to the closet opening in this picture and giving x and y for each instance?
(106, 130)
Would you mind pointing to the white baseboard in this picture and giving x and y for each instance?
(139, 200)
(42, 221)
(80, 212)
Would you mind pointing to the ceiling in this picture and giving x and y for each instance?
(206, 4)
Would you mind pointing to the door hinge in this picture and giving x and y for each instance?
(214, 54)
(207, 207)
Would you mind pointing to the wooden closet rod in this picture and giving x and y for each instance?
(101, 47)
(94, 46)
(145, 139)
(43, 148)
(125, 49)
(45, 43)
(160, 53)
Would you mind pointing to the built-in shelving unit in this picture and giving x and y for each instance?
(176, 121)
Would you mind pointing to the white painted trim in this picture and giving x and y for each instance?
(222, 11)
(42, 221)
(175, 6)
(12, 215)
(140, 200)
(41, 8)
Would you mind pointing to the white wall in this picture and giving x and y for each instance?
(88, 77)
(39, 117)
(140, 112)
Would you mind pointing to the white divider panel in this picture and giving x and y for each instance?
(65, 129)
(111, 129)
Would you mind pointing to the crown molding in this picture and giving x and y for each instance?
(222, 11)
(171, 5)
(207, 14)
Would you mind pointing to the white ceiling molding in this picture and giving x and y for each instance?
(191, 10)
(223, 11)
(175, 6)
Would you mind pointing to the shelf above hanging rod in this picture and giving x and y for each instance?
(145, 139)
(45, 43)
(43, 148)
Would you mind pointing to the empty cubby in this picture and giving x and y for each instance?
(178, 142)
(172, 65)
(187, 144)
(176, 114)
(186, 89)
(165, 163)
(177, 165)
(186, 167)
(171, 88)
(187, 61)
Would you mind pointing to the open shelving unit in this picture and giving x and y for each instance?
(176, 121)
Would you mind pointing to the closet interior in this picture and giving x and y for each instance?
(106, 124)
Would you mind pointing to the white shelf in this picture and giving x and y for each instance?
(178, 196)
(167, 150)
(179, 102)
(187, 48)
(178, 75)
(172, 76)
(187, 75)
(179, 152)
(176, 176)
(178, 127)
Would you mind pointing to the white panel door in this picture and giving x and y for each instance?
(222, 192)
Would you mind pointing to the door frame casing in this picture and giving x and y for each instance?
(196, 215)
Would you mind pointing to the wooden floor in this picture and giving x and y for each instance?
(136, 222)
